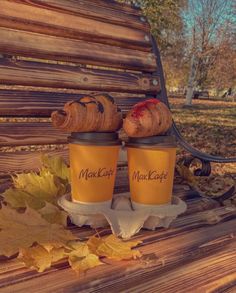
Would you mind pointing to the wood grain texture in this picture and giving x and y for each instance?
(198, 206)
(25, 160)
(30, 134)
(230, 288)
(22, 161)
(210, 274)
(105, 4)
(20, 103)
(100, 10)
(62, 76)
(177, 256)
(28, 16)
(76, 5)
(28, 44)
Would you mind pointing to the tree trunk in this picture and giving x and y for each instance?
(191, 81)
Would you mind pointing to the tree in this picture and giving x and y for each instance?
(203, 19)
(165, 18)
(222, 75)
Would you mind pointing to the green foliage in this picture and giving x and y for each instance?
(167, 26)
(165, 19)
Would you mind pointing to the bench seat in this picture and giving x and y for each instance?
(197, 254)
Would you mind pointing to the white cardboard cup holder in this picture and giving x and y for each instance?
(124, 220)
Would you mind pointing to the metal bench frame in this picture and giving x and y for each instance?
(204, 158)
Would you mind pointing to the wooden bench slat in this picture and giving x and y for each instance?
(63, 76)
(20, 161)
(195, 206)
(25, 161)
(215, 243)
(76, 5)
(28, 44)
(209, 274)
(109, 12)
(11, 162)
(15, 134)
(30, 17)
(40, 104)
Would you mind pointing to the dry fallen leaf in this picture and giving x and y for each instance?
(40, 258)
(113, 247)
(211, 218)
(81, 259)
(39, 192)
(36, 233)
(186, 174)
(82, 264)
(57, 253)
(53, 214)
(56, 166)
(18, 198)
(21, 230)
(36, 257)
(215, 186)
(41, 186)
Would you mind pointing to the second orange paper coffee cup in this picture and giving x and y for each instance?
(151, 163)
(93, 161)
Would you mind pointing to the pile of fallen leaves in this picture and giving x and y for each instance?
(33, 227)
(212, 186)
(209, 126)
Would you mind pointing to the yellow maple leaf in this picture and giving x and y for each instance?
(81, 259)
(56, 166)
(113, 247)
(81, 248)
(21, 230)
(187, 175)
(57, 254)
(39, 257)
(53, 214)
(40, 185)
(17, 198)
(82, 264)
(36, 257)
(20, 199)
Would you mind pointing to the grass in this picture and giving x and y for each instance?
(209, 126)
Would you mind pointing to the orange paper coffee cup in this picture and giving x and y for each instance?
(151, 163)
(93, 161)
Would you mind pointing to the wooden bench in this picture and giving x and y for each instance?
(54, 50)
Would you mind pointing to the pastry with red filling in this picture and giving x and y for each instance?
(148, 118)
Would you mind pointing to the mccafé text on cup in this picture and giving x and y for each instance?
(151, 164)
(93, 161)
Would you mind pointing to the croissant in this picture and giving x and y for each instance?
(94, 111)
(67, 119)
(112, 118)
(148, 118)
(88, 114)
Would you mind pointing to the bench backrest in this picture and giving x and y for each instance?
(54, 50)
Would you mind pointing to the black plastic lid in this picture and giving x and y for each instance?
(94, 138)
(152, 141)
